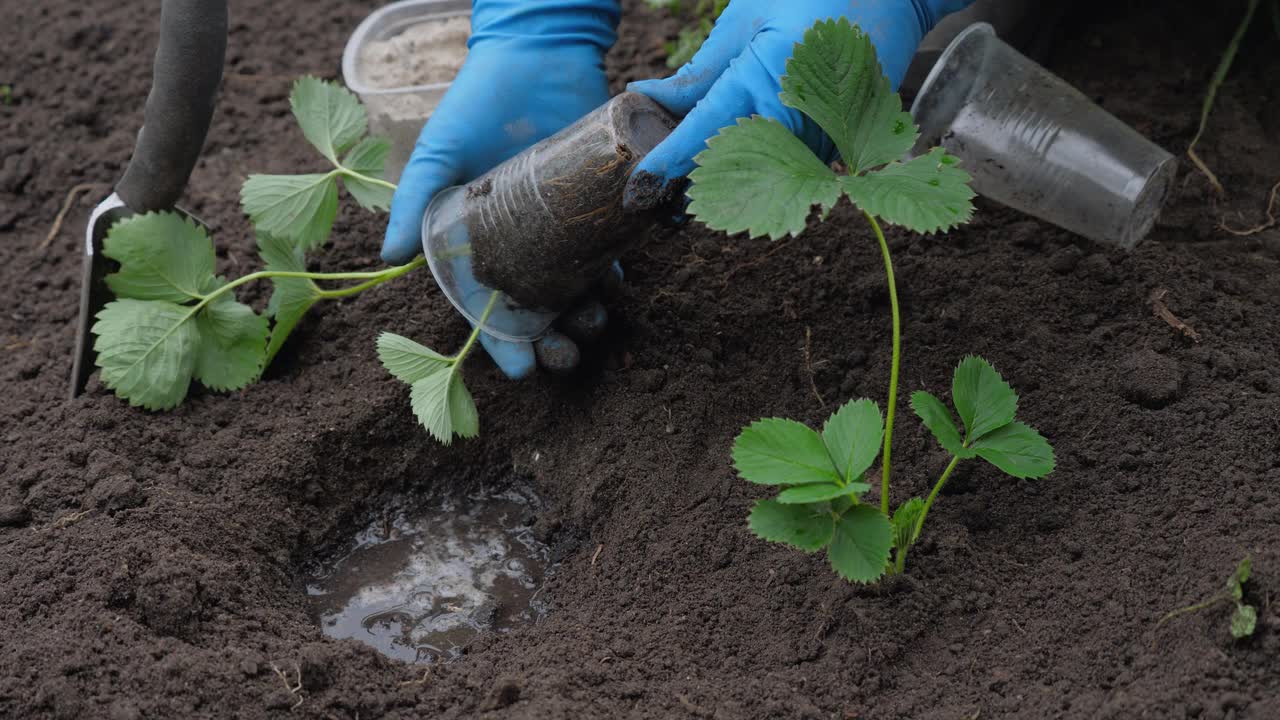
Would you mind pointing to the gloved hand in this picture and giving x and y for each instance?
(737, 74)
(533, 68)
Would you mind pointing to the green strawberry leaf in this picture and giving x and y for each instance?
(1244, 621)
(331, 116)
(927, 194)
(439, 398)
(232, 348)
(860, 548)
(758, 177)
(853, 435)
(937, 418)
(300, 208)
(1235, 583)
(982, 398)
(804, 527)
(146, 350)
(835, 78)
(822, 492)
(904, 523)
(369, 158)
(1017, 449)
(407, 360)
(774, 451)
(444, 406)
(162, 256)
(291, 298)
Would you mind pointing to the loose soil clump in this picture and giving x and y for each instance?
(151, 564)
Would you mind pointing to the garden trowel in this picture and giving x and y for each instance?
(188, 70)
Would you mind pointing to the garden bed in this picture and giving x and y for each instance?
(153, 565)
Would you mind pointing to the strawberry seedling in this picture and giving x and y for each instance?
(173, 320)
(758, 177)
(1244, 620)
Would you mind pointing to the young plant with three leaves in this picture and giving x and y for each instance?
(822, 476)
(1244, 620)
(437, 393)
(758, 177)
(302, 208)
(173, 320)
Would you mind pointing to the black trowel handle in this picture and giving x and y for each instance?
(188, 70)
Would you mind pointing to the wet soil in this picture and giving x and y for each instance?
(152, 565)
(430, 573)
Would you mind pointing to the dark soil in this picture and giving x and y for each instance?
(151, 564)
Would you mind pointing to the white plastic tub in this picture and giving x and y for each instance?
(397, 110)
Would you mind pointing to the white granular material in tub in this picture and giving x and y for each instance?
(424, 54)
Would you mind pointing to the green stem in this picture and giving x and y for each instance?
(475, 333)
(892, 404)
(375, 278)
(384, 276)
(365, 178)
(1216, 599)
(900, 561)
(933, 494)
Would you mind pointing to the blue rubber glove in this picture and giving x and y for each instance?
(737, 74)
(533, 68)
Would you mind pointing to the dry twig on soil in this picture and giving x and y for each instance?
(1269, 223)
(294, 688)
(1162, 311)
(724, 281)
(426, 675)
(808, 366)
(66, 207)
(70, 519)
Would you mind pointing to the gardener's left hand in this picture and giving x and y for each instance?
(533, 68)
(737, 74)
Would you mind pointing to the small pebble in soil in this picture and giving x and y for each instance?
(117, 492)
(1065, 260)
(14, 516)
(1150, 379)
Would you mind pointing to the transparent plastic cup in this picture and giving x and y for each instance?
(1033, 142)
(545, 225)
(398, 111)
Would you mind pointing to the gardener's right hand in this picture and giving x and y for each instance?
(533, 68)
(737, 72)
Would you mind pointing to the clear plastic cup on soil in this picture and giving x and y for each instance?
(1033, 142)
(400, 61)
(545, 225)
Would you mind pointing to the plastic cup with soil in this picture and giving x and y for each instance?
(544, 226)
(400, 61)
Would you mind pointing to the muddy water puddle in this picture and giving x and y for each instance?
(423, 579)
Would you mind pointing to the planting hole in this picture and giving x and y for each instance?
(423, 579)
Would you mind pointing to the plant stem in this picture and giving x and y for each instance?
(1219, 598)
(341, 170)
(385, 275)
(374, 278)
(892, 403)
(937, 488)
(475, 332)
(900, 561)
